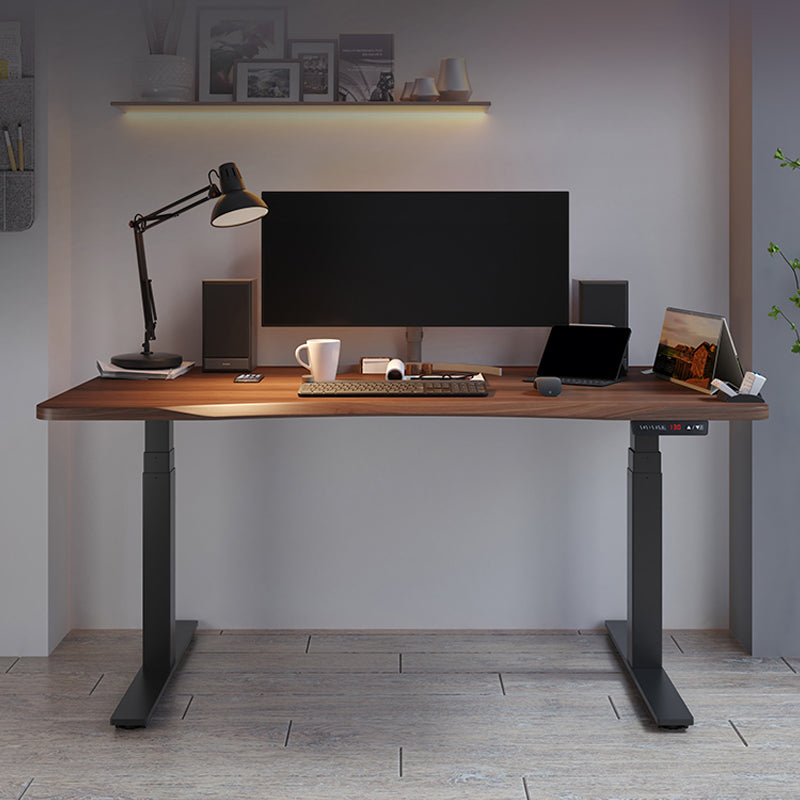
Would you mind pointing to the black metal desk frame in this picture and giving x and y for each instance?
(637, 639)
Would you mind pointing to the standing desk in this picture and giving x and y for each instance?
(653, 407)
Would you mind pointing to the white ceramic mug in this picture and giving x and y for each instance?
(323, 358)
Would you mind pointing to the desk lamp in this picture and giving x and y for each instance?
(235, 206)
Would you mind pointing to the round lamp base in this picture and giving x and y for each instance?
(147, 360)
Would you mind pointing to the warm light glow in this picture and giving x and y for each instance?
(471, 109)
(239, 216)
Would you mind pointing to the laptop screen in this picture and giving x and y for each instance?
(593, 352)
(694, 348)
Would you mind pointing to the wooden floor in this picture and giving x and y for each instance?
(434, 716)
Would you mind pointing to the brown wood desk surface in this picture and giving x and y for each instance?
(207, 395)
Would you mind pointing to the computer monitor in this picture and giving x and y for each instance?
(399, 258)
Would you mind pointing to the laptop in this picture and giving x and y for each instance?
(585, 355)
(695, 348)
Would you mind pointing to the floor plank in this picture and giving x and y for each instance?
(326, 714)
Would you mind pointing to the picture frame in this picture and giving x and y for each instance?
(268, 80)
(366, 67)
(228, 35)
(320, 59)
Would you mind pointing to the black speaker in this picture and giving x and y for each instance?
(229, 325)
(604, 303)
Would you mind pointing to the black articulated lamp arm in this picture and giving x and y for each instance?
(235, 206)
(140, 223)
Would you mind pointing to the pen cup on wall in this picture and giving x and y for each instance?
(424, 90)
(453, 83)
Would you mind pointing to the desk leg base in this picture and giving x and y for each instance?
(140, 700)
(665, 705)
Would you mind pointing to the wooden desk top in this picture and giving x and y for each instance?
(214, 395)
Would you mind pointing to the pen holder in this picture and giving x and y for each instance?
(16, 186)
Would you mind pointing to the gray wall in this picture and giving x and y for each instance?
(24, 538)
(776, 206)
(625, 104)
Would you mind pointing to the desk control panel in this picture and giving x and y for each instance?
(670, 428)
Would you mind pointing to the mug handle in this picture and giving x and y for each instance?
(297, 355)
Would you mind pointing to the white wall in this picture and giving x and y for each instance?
(24, 545)
(624, 104)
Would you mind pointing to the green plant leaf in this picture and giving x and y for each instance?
(773, 248)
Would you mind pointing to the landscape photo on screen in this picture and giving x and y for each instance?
(688, 347)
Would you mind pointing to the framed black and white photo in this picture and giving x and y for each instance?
(366, 67)
(228, 35)
(268, 81)
(320, 68)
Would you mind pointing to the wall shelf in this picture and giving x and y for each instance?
(421, 109)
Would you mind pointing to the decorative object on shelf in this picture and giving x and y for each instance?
(320, 67)
(268, 81)
(366, 67)
(408, 88)
(453, 83)
(163, 20)
(163, 76)
(235, 206)
(228, 35)
(425, 90)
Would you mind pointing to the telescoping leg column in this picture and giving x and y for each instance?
(638, 639)
(164, 639)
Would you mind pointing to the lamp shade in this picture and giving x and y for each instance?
(236, 206)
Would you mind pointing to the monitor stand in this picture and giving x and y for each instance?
(414, 335)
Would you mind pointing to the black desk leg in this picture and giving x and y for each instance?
(164, 640)
(638, 640)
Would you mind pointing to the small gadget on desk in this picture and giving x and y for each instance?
(748, 392)
(395, 370)
(584, 355)
(249, 377)
(547, 387)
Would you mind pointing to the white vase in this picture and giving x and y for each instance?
(163, 78)
(424, 90)
(453, 83)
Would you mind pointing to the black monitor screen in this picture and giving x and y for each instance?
(415, 258)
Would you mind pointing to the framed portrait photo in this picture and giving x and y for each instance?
(228, 35)
(268, 81)
(320, 67)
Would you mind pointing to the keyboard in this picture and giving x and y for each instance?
(384, 388)
(589, 381)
